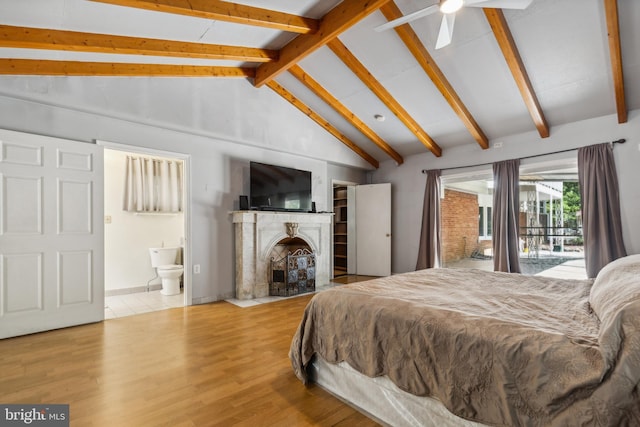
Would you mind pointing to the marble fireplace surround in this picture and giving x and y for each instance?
(258, 232)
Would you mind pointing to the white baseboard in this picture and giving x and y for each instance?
(203, 300)
(207, 300)
(134, 290)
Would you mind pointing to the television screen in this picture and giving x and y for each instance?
(279, 188)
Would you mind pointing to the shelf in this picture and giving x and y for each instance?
(340, 209)
(340, 229)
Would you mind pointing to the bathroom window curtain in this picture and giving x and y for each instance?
(429, 252)
(599, 194)
(153, 185)
(506, 206)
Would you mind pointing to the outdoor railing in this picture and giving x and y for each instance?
(532, 238)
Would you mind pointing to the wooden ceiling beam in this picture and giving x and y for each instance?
(510, 52)
(334, 23)
(376, 87)
(280, 90)
(420, 53)
(615, 52)
(39, 67)
(38, 38)
(334, 103)
(225, 11)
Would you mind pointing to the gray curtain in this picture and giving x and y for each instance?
(506, 206)
(430, 235)
(601, 224)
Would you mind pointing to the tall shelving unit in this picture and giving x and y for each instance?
(340, 257)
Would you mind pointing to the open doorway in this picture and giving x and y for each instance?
(343, 229)
(132, 284)
(362, 229)
(550, 228)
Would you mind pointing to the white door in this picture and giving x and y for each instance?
(51, 233)
(373, 229)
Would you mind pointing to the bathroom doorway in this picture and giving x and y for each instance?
(132, 285)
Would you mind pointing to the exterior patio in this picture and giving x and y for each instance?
(553, 266)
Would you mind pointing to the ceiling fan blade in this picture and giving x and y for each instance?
(408, 18)
(500, 4)
(446, 30)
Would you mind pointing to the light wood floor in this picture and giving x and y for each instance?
(206, 365)
(351, 278)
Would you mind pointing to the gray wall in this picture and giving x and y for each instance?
(343, 174)
(408, 181)
(219, 174)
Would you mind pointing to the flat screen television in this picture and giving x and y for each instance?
(278, 188)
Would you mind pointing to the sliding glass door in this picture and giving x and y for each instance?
(550, 225)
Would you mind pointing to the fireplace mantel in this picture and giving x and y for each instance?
(256, 234)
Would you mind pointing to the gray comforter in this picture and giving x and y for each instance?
(497, 348)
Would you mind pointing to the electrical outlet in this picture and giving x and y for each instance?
(497, 145)
(196, 269)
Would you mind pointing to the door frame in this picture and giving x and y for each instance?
(186, 159)
(335, 182)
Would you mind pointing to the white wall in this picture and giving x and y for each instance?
(408, 182)
(219, 174)
(129, 236)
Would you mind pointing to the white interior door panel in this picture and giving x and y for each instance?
(51, 233)
(373, 229)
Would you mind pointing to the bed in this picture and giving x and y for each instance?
(469, 347)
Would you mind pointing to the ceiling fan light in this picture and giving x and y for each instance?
(451, 6)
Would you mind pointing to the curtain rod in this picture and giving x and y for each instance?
(618, 141)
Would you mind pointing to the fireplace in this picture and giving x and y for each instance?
(258, 233)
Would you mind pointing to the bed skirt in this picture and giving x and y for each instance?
(382, 400)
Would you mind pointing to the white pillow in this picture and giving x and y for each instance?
(617, 284)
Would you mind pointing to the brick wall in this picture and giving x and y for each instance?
(459, 221)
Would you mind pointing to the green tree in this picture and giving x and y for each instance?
(571, 203)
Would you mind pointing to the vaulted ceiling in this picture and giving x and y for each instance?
(385, 95)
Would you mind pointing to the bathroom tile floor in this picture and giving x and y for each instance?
(141, 302)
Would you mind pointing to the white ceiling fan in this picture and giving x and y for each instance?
(448, 8)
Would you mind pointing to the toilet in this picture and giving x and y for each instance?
(164, 261)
